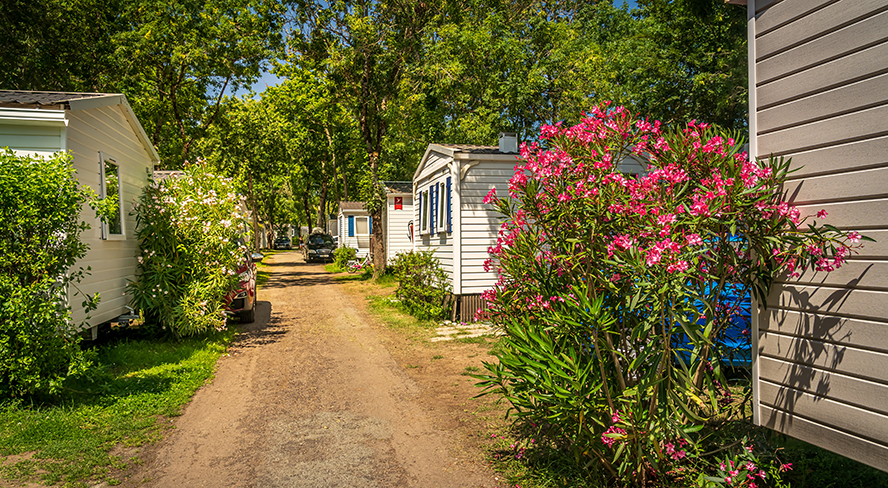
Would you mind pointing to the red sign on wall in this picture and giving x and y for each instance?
(399, 203)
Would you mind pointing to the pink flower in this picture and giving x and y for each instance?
(854, 237)
(491, 196)
(822, 214)
(694, 240)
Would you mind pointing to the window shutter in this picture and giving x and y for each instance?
(370, 225)
(449, 207)
(351, 225)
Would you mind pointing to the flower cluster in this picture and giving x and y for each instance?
(617, 268)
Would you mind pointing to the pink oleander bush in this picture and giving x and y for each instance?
(611, 289)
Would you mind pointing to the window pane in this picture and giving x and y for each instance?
(112, 193)
(361, 226)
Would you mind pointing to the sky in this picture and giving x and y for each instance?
(268, 79)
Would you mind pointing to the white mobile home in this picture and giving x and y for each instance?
(355, 227)
(111, 154)
(398, 218)
(450, 217)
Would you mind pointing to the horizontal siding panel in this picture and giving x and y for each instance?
(870, 365)
(859, 274)
(864, 214)
(868, 452)
(841, 71)
(837, 415)
(784, 13)
(845, 99)
(871, 183)
(857, 125)
(37, 142)
(829, 18)
(865, 334)
(862, 393)
(864, 304)
(842, 157)
(842, 42)
(761, 5)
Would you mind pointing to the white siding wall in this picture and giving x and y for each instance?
(113, 262)
(396, 239)
(480, 224)
(436, 171)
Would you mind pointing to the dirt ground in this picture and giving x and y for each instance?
(316, 393)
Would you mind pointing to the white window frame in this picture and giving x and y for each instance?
(365, 218)
(424, 218)
(103, 193)
(442, 207)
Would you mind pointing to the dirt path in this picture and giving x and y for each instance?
(311, 396)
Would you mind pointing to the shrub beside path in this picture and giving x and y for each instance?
(308, 396)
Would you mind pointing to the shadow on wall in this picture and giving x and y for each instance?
(800, 348)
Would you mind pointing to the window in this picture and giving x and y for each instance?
(362, 226)
(442, 207)
(111, 193)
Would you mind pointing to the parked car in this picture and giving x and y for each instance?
(242, 302)
(318, 246)
(282, 242)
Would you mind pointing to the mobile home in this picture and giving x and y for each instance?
(355, 227)
(398, 218)
(111, 154)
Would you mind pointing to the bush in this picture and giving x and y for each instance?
(342, 255)
(191, 235)
(40, 228)
(605, 277)
(423, 288)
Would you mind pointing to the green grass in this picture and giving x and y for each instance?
(135, 386)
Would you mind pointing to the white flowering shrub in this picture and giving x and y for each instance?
(190, 235)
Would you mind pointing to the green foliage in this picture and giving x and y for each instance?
(423, 286)
(613, 288)
(342, 255)
(40, 243)
(190, 231)
(132, 388)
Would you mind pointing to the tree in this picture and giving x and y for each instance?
(674, 60)
(59, 45)
(250, 144)
(177, 59)
(364, 47)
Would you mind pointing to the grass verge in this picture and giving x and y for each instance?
(134, 388)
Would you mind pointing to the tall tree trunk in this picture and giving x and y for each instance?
(322, 205)
(307, 210)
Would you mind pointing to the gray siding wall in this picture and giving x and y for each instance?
(821, 97)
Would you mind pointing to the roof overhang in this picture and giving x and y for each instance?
(32, 116)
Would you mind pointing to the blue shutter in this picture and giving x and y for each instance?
(449, 207)
(351, 225)
(419, 221)
(370, 225)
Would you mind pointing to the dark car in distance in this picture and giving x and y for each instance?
(318, 247)
(282, 242)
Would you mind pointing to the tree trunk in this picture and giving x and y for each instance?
(307, 210)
